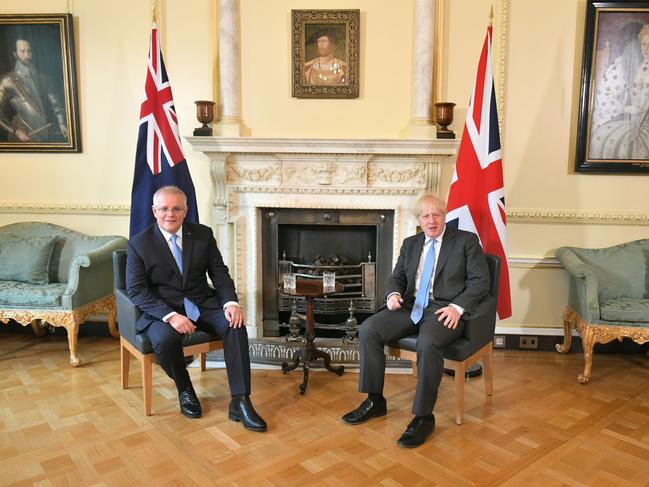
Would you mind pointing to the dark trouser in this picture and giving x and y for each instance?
(387, 326)
(167, 345)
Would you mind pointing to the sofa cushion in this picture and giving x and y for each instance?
(23, 295)
(25, 259)
(621, 270)
(625, 309)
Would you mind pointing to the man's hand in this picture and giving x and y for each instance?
(394, 302)
(234, 315)
(64, 130)
(182, 324)
(449, 316)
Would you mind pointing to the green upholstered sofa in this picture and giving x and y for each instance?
(51, 274)
(608, 296)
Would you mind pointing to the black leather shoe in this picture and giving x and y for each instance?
(368, 409)
(189, 404)
(417, 432)
(241, 410)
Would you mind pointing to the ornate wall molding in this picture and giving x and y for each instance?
(40, 207)
(548, 216)
(328, 190)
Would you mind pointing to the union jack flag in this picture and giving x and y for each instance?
(159, 159)
(476, 200)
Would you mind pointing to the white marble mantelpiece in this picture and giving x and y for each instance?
(326, 146)
(250, 174)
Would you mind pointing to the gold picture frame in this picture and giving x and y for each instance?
(39, 108)
(325, 52)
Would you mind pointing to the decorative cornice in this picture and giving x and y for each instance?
(39, 207)
(545, 216)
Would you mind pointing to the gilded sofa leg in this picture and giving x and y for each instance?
(588, 342)
(568, 322)
(73, 331)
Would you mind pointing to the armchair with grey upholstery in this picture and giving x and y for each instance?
(608, 296)
(476, 342)
(53, 275)
(138, 344)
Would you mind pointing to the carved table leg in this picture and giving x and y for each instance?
(568, 322)
(588, 342)
(296, 361)
(327, 362)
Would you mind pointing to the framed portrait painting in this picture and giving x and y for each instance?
(325, 53)
(613, 124)
(38, 88)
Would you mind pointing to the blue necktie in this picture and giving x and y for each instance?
(421, 300)
(191, 309)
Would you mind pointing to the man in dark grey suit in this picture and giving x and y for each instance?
(166, 271)
(441, 274)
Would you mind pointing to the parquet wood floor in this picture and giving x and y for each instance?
(61, 425)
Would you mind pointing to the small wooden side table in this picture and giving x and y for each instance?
(309, 289)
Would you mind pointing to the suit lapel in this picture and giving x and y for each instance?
(163, 249)
(448, 241)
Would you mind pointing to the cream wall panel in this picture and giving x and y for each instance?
(383, 107)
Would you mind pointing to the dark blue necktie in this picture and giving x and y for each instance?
(422, 298)
(191, 309)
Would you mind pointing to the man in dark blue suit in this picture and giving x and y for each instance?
(166, 272)
(441, 274)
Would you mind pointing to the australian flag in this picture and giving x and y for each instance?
(159, 159)
(476, 200)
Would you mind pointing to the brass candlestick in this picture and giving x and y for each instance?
(444, 118)
(205, 115)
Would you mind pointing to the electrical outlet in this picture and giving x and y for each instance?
(528, 342)
(499, 341)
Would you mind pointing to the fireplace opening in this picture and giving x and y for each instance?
(355, 244)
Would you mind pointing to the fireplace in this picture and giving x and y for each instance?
(338, 183)
(356, 244)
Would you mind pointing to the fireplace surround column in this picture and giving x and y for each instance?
(420, 124)
(230, 123)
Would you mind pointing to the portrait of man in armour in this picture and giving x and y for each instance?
(35, 82)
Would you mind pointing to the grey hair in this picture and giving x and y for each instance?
(170, 190)
(426, 197)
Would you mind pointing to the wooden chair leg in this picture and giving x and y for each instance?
(488, 370)
(147, 385)
(459, 393)
(126, 360)
(203, 362)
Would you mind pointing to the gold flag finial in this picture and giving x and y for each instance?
(153, 10)
(491, 15)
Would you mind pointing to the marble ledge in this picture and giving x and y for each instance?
(442, 147)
